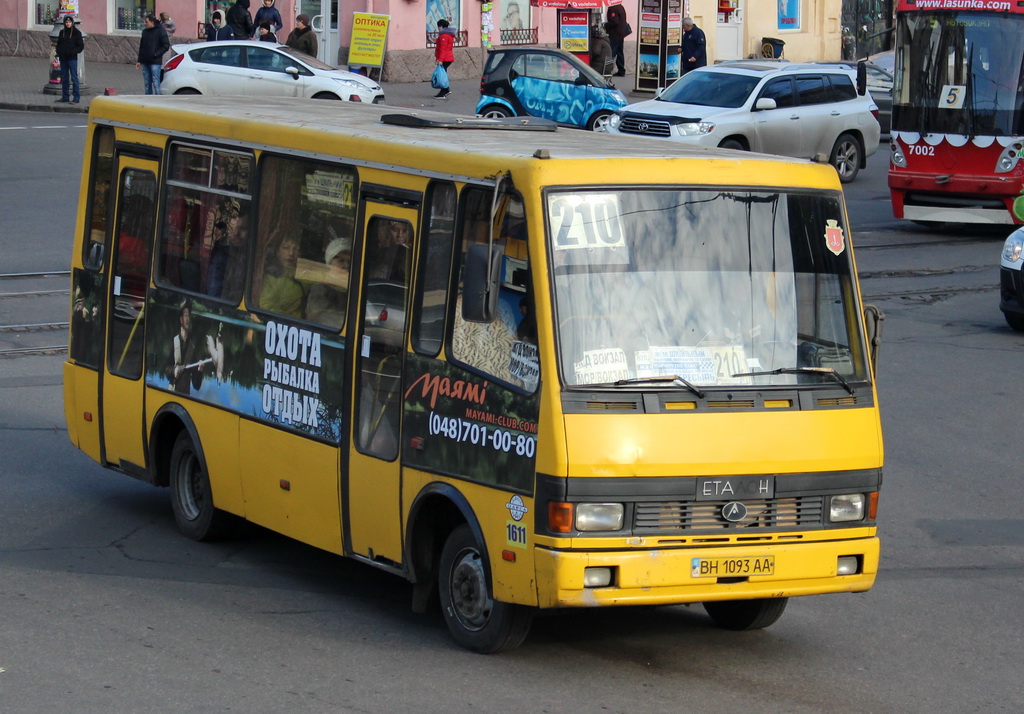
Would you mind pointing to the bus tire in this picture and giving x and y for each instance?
(475, 620)
(191, 495)
(741, 615)
(846, 157)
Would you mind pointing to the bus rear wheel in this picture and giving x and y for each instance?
(191, 495)
(741, 615)
(475, 620)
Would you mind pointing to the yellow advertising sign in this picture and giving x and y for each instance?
(369, 39)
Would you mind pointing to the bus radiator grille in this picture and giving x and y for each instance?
(690, 516)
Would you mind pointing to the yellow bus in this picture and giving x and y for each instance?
(522, 367)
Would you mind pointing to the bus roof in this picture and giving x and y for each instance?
(355, 131)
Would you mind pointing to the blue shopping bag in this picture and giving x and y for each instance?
(439, 79)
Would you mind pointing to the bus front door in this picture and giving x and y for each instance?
(122, 403)
(373, 498)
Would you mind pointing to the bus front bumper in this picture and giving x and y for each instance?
(683, 575)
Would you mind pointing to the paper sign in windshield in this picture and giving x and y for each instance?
(598, 366)
(694, 364)
(586, 221)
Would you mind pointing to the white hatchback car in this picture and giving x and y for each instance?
(263, 69)
(800, 110)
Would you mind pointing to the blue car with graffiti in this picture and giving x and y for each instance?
(547, 83)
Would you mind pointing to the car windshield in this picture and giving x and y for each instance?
(706, 285)
(711, 89)
(304, 58)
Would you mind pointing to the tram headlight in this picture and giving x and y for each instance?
(847, 507)
(898, 159)
(1007, 160)
(599, 516)
(1013, 247)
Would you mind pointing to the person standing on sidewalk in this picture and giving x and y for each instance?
(444, 52)
(694, 46)
(69, 45)
(240, 19)
(302, 38)
(152, 47)
(268, 13)
(618, 27)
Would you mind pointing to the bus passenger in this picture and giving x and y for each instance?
(281, 292)
(326, 302)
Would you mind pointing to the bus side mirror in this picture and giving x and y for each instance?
(480, 278)
(873, 319)
(862, 78)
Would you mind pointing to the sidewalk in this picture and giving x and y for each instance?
(24, 79)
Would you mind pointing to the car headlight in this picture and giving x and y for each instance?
(1013, 247)
(847, 507)
(696, 128)
(599, 516)
(614, 120)
(898, 159)
(1007, 160)
(350, 83)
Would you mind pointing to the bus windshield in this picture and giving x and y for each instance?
(960, 73)
(707, 285)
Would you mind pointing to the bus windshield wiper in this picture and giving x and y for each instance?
(801, 370)
(672, 379)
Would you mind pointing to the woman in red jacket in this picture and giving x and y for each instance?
(444, 53)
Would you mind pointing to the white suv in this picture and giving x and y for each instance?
(800, 110)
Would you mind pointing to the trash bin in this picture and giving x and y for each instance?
(771, 48)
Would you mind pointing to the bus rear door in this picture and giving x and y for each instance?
(122, 398)
(372, 499)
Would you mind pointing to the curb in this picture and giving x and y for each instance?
(22, 107)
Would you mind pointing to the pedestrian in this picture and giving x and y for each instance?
(444, 52)
(266, 34)
(302, 37)
(152, 46)
(239, 19)
(69, 45)
(217, 30)
(694, 46)
(270, 14)
(618, 29)
(601, 57)
(168, 23)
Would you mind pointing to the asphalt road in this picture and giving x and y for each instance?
(105, 608)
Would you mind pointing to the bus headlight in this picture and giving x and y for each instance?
(898, 159)
(1007, 160)
(847, 507)
(599, 516)
(1013, 247)
(694, 128)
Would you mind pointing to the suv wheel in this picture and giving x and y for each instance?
(846, 157)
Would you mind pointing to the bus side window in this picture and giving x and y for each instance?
(206, 227)
(505, 347)
(99, 201)
(435, 270)
(304, 239)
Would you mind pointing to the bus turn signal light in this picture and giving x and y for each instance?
(560, 517)
(872, 505)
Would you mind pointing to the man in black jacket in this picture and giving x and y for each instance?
(694, 46)
(152, 48)
(240, 19)
(69, 45)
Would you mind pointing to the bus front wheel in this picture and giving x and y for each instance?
(746, 614)
(191, 495)
(475, 620)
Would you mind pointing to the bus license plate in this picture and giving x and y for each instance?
(732, 567)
